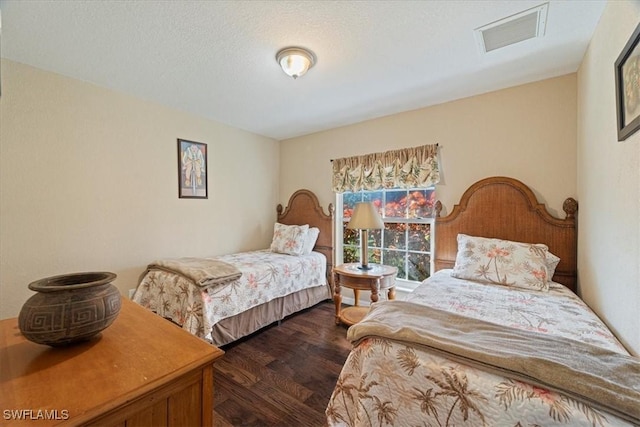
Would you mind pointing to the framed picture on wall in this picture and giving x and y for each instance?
(192, 169)
(627, 70)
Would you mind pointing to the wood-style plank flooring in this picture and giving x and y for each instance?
(282, 375)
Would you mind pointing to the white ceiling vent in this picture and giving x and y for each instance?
(516, 28)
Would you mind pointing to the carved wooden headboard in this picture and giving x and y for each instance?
(505, 208)
(304, 208)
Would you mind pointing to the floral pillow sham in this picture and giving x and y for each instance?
(289, 239)
(503, 262)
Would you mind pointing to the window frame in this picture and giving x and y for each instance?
(401, 283)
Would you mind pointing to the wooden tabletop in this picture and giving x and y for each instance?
(377, 270)
(139, 351)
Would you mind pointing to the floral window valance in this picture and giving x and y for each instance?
(405, 168)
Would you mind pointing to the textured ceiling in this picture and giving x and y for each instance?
(217, 58)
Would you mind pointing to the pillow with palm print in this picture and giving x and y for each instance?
(503, 262)
(289, 239)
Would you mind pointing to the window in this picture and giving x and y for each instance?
(404, 243)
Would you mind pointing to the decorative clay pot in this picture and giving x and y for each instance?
(69, 308)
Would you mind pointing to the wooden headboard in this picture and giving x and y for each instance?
(304, 208)
(505, 208)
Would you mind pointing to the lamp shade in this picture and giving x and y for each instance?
(365, 217)
(295, 61)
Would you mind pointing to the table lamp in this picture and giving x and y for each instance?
(365, 218)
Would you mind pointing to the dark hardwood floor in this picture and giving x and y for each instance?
(282, 375)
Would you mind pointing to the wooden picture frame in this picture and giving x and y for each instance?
(192, 170)
(627, 71)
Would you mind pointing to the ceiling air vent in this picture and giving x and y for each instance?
(516, 28)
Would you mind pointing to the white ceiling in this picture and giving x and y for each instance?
(217, 58)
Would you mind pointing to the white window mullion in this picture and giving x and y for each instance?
(338, 248)
(406, 250)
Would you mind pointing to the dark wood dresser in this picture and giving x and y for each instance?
(140, 371)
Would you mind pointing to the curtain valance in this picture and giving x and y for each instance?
(415, 167)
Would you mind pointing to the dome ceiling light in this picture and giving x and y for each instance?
(295, 61)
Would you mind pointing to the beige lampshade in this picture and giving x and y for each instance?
(365, 217)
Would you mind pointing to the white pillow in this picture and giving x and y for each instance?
(310, 241)
(289, 239)
(552, 263)
(520, 265)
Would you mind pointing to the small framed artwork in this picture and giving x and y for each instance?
(192, 169)
(628, 87)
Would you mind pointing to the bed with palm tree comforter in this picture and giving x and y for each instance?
(391, 381)
(496, 336)
(224, 298)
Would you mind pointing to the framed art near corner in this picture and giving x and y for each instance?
(628, 87)
(192, 169)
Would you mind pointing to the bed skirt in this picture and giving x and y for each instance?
(249, 321)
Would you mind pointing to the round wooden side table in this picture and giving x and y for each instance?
(378, 278)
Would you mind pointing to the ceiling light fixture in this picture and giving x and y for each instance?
(295, 61)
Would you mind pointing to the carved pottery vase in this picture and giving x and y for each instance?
(69, 308)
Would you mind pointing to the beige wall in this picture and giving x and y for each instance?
(88, 181)
(609, 184)
(526, 132)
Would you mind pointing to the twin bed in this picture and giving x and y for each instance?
(271, 285)
(490, 339)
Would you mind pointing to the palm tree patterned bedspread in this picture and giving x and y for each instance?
(384, 382)
(265, 276)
